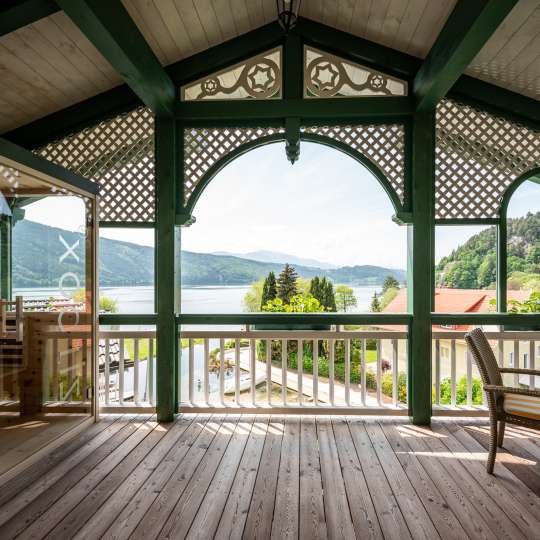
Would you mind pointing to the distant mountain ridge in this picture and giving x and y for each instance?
(277, 257)
(38, 250)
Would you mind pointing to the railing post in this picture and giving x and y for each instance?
(420, 275)
(167, 178)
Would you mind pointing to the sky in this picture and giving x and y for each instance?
(326, 206)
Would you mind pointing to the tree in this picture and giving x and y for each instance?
(390, 282)
(345, 298)
(375, 304)
(286, 284)
(315, 288)
(299, 303)
(253, 298)
(329, 296)
(269, 291)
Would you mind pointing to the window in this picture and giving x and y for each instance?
(126, 270)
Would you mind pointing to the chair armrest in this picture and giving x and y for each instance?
(511, 390)
(521, 371)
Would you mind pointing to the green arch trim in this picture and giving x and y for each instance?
(512, 188)
(281, 137)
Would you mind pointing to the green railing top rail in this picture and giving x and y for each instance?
(525, 319)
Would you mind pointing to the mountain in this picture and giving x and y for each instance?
(277, 257)
(474, 264)
(39, 261)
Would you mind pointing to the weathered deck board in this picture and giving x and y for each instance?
(279, 477)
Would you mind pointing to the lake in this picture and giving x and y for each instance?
(209, 299)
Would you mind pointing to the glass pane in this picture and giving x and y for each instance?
(465, 269)
(126, 270)
(47, 295)
(523, 259)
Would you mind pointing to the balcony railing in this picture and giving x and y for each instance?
(247, 367)
(456, 380)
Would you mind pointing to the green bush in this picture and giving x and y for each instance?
(461, 391)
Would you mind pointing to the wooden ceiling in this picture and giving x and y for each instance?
(49, 65)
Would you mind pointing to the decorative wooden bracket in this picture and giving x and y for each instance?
(292, 135)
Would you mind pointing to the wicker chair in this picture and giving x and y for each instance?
(506, 404)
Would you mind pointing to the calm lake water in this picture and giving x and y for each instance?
(194, 299)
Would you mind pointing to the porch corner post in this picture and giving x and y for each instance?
(166, 335)
(421, 282)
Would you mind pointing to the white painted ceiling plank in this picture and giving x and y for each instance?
(68, 27)
(176, 28)
(192, 23)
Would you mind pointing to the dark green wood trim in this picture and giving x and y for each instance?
(314, 108)
(226, 54)
(357, 49)
(103, 106)
(465, 32)
(422, 279)
(117, 319)
(497, 100)
(111, 30)
(293, 67)
(167, 178)
(467, 221)
(28, 159)
(127, 224)
(372, 319)
(502, 266)
(16, 14)
(486, 319)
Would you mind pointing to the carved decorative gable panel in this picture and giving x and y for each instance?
(256, 78)
(326, 75)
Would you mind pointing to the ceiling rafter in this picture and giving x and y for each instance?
(111, 30)
(18, 13)
(466, 31)
(492, 98)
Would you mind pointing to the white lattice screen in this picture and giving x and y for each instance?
(118, 154)
(204, 147)
(383, 145)
(478, 156)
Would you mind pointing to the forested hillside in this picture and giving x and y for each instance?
(474, 264)
(38, 251)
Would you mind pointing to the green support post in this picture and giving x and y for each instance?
(502, 253)
(421, 283)
(166, 171)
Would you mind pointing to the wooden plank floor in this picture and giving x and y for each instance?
(250, 477)
(22, 437)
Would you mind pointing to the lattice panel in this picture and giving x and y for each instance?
(118, 154)
(204, 147)
(478, 156)
(383, 145)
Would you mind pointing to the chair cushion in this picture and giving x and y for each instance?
(520, 405)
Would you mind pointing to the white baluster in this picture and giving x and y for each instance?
(348, 372)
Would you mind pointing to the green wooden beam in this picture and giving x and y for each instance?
(15, 14)
(372, 319)
(421, 283)
(487, 319)
(167, 178)
(112, 31)
(89, 112)
(312, 108)
(357, 49)
(465, 32)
